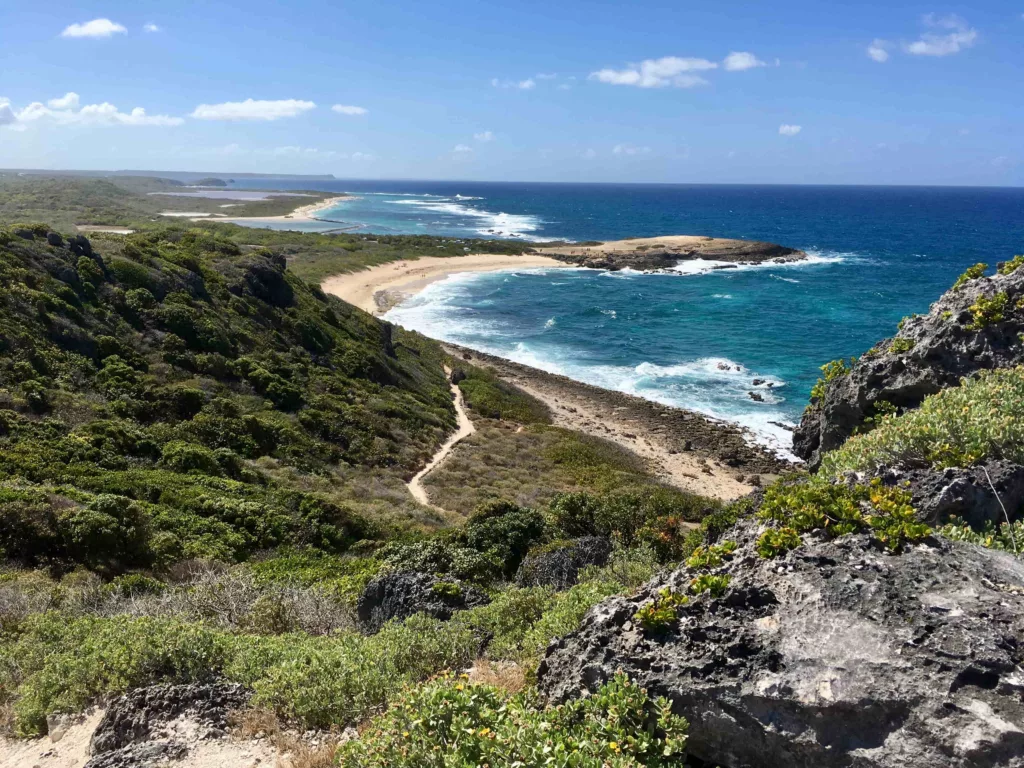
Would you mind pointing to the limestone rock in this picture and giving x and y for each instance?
(560, 568)
(834, 655)
(400, 594)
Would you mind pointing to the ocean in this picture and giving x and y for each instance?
(697, 338)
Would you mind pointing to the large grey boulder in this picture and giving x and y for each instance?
(560, 567)
(151, 725)
(400, 594)
(835, 655)
(943, 349)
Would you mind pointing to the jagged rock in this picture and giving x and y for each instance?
(939, 495)
(80, 245)
(24, 234)
(265, 278)
(54, 239)
(757, 397)
(400, 594)
(834, 655)
(943, 351)
(138, 715)
(560, 568)
(151, 753)
(457, 375)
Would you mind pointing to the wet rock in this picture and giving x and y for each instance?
(931, 352)
(835, 655)
(756, 397)
(559, 568)
(400, 594)
(758, 382)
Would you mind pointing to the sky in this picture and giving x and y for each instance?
(790, 92)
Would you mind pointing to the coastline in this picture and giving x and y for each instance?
(382, 287)
(304, 214)
(684, 448)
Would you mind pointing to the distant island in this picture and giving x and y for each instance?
(211, 181)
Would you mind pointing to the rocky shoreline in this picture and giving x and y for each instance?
(679, 431)
(664, 253)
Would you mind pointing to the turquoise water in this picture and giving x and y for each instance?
(696, 339)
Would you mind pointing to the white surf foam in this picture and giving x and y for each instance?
(489, 223)
(704, 266)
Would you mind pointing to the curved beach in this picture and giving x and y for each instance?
(378, 289)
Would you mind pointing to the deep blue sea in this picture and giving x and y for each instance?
(699, 338)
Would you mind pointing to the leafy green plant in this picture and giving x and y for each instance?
(1005, 537)
(972, 273)
(777, 541)
(901, 345)
(830, 371)
(446, 589)
(452, 723)
(988, 311)
(1011, 266)
(957, 427)
(893, 521)
(662, 612)
(711, 556)
(712, 585)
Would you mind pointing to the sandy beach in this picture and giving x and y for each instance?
(378, 289)
(302, 214)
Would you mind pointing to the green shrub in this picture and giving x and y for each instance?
(493, 398)
(900, 345)
(1011, 266)
(503, 531)
(1006, 537)
(972, 273)
(708, 584)
(710, 556)
(957, 427)
(179, 456)
(777, 541)
(662, 612)
(988, 311)
(108, 532)
(455, 724)
(829, 372)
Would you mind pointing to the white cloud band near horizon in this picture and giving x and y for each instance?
(740, 61)
(97, 28)
(252, 109)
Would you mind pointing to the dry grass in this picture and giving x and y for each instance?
(529, 465)
(294, 751)
(506, 675)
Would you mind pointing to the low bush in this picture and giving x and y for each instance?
(986, 311)
(709, 584)
(452, 723)
(972, 273)
(492, 398)
(958, 427)
(662, 612)
(1006, 537)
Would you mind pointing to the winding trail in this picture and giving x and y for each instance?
(465, 429)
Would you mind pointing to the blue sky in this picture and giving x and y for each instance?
(752, 92)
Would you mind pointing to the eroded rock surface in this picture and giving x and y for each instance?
(560, 568)
(657, 253)
(931, 352)
(835, 655)
(400, 594)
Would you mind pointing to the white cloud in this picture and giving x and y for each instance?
(657, 73)
(589, 154)
(65, 111)
(546, 76)
(345, 109)
(789, 130)
(877, 50)
(523, 85)
(68, 101)
(629, 149)
(957, 37)
(96, 28)
(738, 61)
(151, 27)
(462, 149)
(251, 109)
(484, 136)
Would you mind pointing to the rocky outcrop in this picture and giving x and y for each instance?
(400, 594)
(149, 726)
(989, 492)
(834, 655)
(930, 352)
(560, 568)
(659, 253)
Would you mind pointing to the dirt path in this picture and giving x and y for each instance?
(465, 429)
